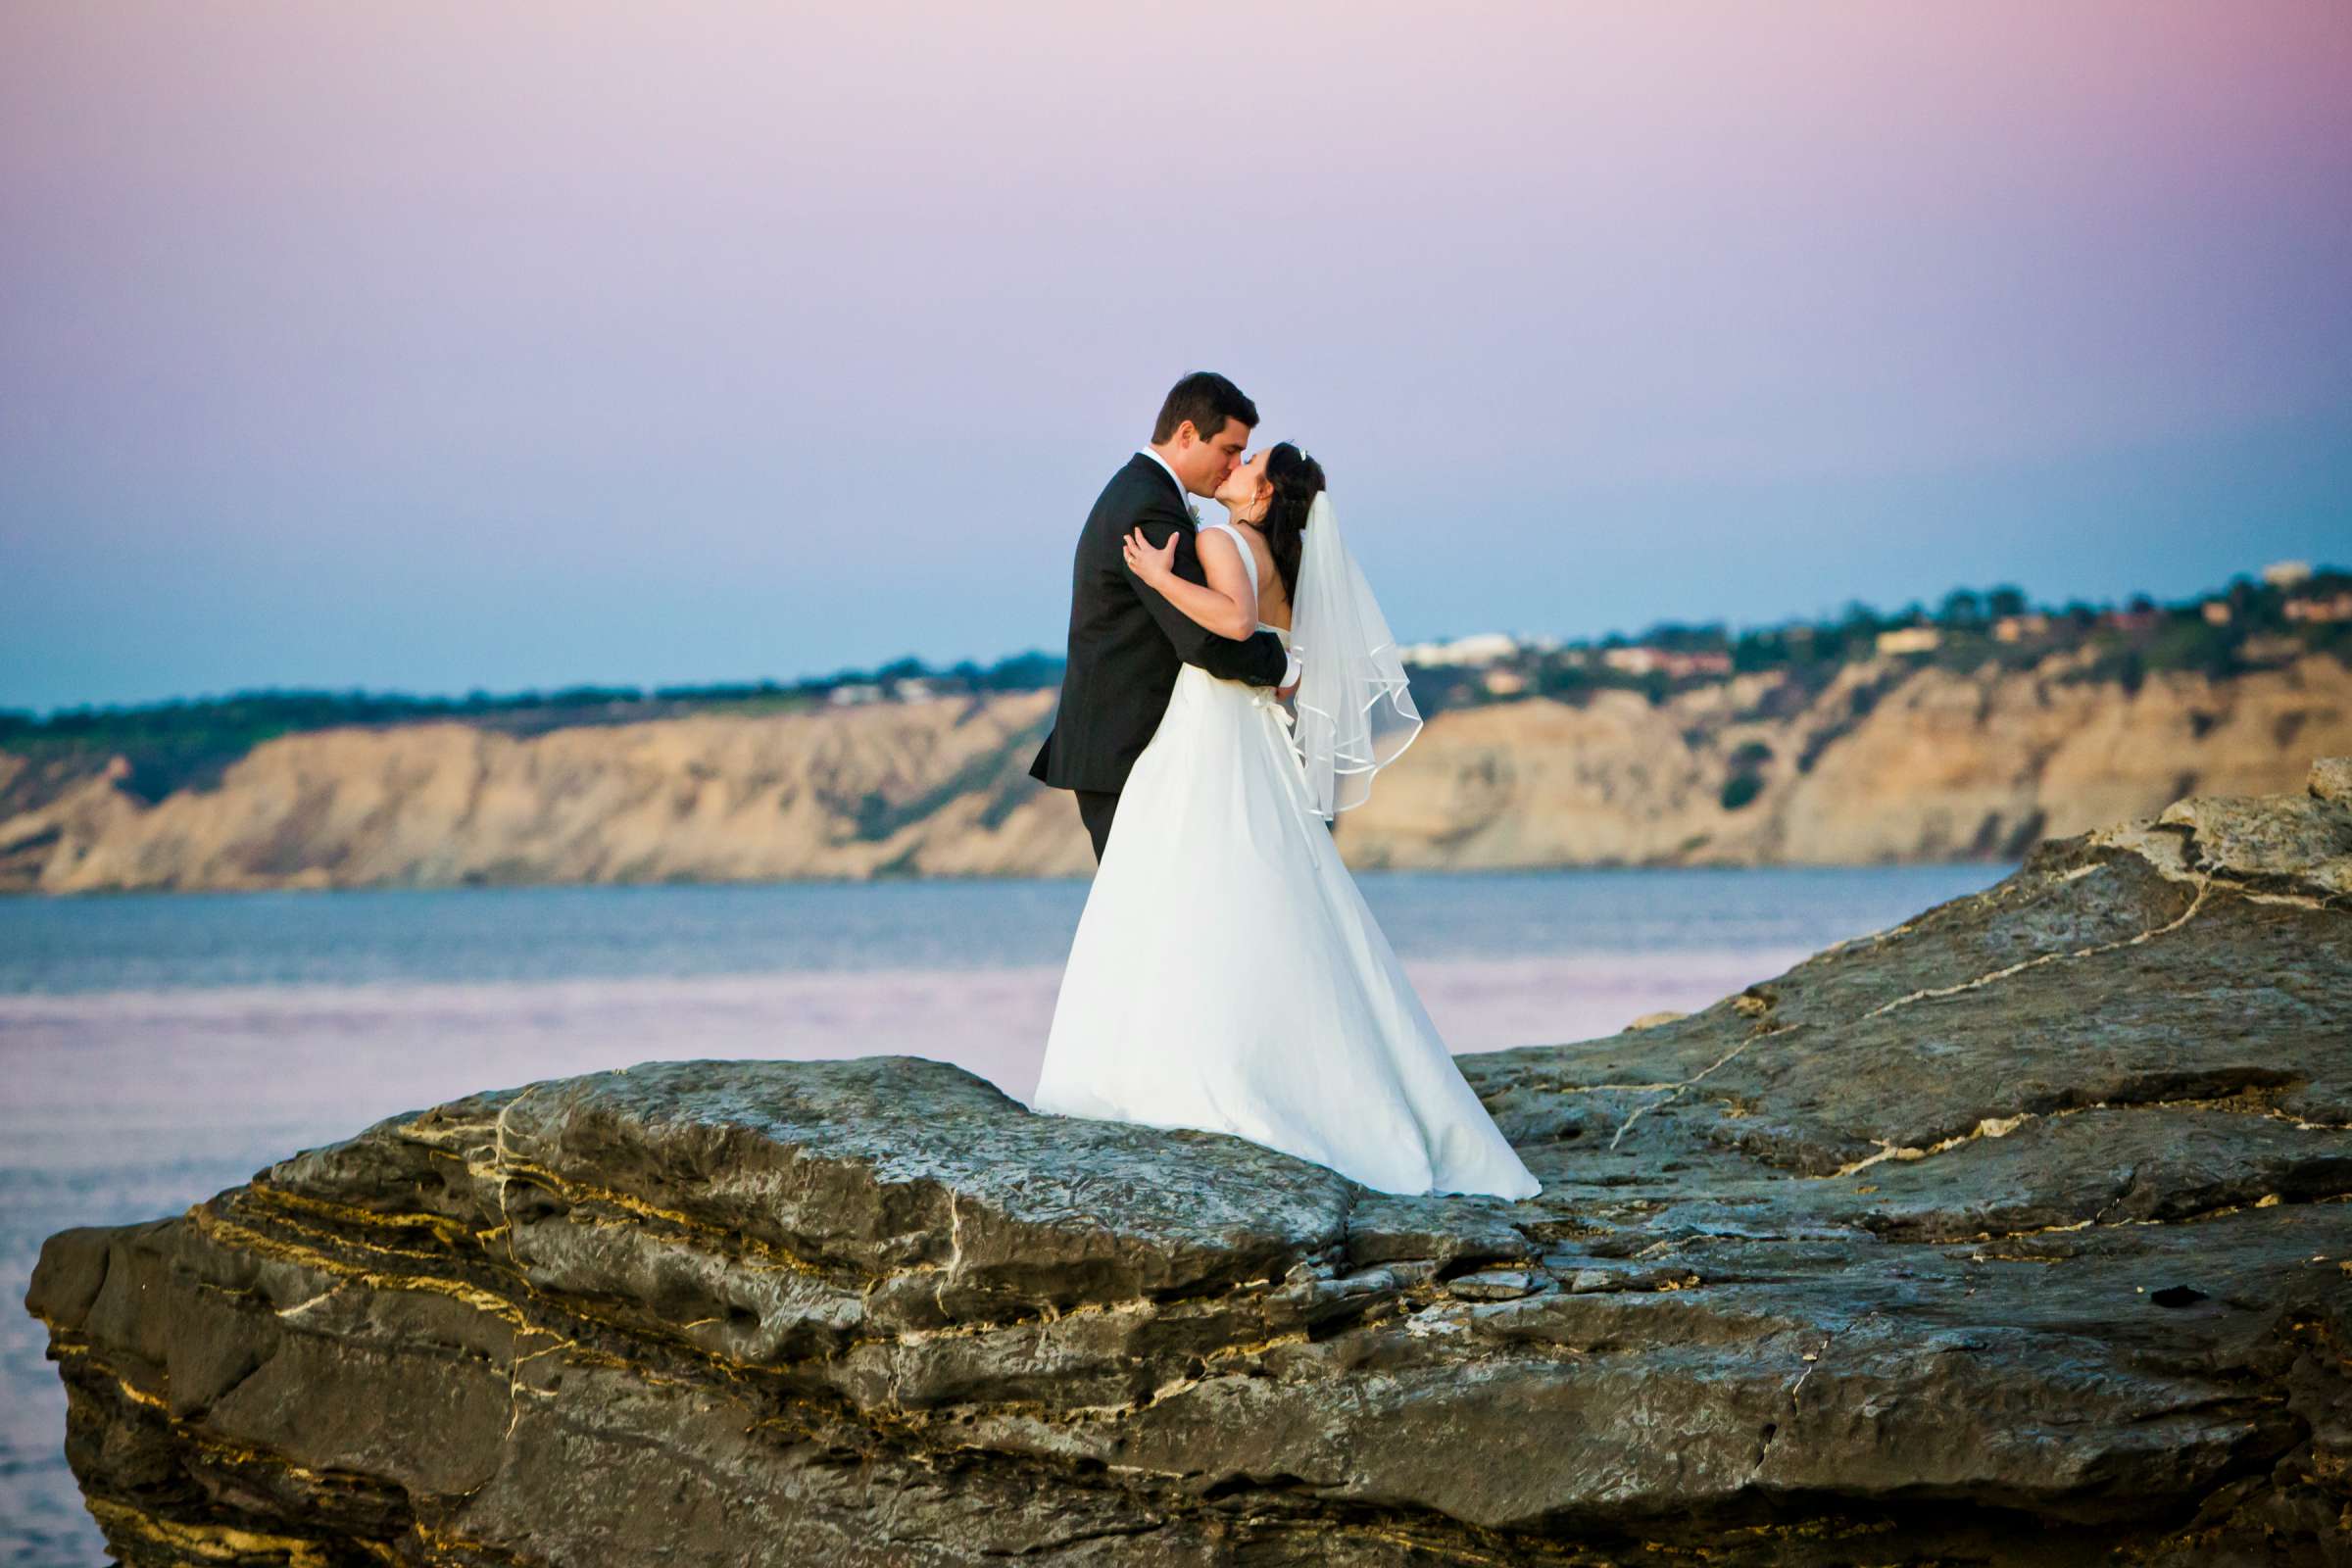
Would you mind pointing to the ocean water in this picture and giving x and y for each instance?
(154, 1048)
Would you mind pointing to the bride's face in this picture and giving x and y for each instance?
(1246, 488)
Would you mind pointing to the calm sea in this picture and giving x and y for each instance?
(158, 1049)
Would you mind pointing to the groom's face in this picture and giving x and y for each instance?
(1203, 466)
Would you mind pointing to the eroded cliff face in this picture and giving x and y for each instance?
(1884, 764)
(932, 788)
(2019, 1233)
(1875, 767)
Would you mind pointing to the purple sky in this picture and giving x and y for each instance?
(433, 346)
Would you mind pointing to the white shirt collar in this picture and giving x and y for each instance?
(1184, 497)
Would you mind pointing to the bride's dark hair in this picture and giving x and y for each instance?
(1296, 478)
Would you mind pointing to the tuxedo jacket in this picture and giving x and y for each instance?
(1127, 642)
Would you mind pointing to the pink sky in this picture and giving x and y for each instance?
(434, 346)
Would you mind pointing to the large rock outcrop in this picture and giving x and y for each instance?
(1886, 763)
(2017, 1233)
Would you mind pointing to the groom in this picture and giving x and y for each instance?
(1127, 642)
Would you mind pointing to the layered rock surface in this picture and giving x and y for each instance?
(2018, 1233)
(1886, 764)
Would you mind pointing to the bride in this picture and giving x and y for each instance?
(1226, 974)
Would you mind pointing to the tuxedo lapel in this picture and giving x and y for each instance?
(1153, 473)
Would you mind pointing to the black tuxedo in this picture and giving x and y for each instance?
(1127, 643)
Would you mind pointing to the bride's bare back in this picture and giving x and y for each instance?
(1273, 600)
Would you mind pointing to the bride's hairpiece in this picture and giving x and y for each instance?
(1306, 465)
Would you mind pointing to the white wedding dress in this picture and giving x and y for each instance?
(1227, 975)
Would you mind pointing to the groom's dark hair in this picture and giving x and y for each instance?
(1206, 399)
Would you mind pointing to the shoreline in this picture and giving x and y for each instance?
(992, 879)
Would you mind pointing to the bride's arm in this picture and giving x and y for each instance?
(1228, 606)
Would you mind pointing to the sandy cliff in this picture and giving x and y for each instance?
(936, 787)
(1886, 763)
(1935, 765)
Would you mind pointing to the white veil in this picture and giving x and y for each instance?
(1355, 710)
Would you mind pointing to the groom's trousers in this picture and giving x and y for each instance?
(1096, 809)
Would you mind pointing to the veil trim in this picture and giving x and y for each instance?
(1351, 664)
